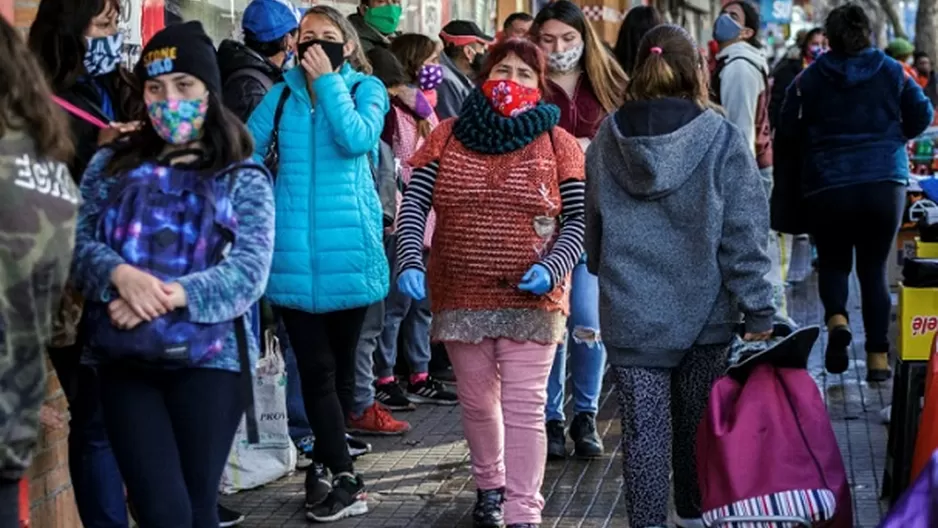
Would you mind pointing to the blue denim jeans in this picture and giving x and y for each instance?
(363, 395)
(587, 352)
(96, 479)
(405, 317)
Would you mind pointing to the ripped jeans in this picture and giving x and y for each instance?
(587, 352)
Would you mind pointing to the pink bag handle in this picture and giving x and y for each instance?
(79, 113)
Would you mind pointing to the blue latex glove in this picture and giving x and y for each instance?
(537, 280)
(412, 282)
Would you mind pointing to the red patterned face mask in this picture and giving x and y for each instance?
(510, 98)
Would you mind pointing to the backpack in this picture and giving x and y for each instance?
(169, 222)
(766, 455)
(763, 133)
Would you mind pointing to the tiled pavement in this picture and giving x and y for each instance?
(422, 479)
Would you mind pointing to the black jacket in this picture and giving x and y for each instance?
(241, 91)
(369, 36)
(85, 96)
(784, 74)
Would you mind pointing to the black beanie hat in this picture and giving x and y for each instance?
(181, 48)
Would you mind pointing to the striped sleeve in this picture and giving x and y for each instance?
(412, 220)
(566, 251)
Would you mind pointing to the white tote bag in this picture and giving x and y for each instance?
(250, 466)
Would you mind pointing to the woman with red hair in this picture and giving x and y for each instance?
(507, 186)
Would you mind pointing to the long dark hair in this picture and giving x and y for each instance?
(751, 20)
(637, 22)
(225, 141)
(57, 38)
(26, 101)
(601, 68)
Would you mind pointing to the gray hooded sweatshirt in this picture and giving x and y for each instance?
(676, 218)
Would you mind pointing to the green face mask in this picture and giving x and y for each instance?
(384, 18)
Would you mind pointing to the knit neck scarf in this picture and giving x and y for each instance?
(481, 129)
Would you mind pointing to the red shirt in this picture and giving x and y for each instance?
(581, 115)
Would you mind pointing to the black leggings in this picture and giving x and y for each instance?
(863, 218)
(325, 346)
(171, 431)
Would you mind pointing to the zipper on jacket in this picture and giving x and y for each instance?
(314, 262)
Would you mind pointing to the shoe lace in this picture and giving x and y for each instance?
(490, 500)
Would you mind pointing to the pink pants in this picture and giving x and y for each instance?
(502, 391)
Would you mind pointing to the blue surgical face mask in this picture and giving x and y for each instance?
(726, 29)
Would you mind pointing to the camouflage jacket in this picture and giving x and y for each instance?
(38, 205)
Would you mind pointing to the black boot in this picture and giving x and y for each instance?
(586, 441)
(556, 441)
(489, 509)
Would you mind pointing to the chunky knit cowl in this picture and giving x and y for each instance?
(481, 129)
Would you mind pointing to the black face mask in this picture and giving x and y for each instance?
(334, 50)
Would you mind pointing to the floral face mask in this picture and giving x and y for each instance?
(510, 98)
(179, 121)
(565, 61)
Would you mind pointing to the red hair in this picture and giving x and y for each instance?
(529, 53)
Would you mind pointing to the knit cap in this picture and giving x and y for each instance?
(900, 47)
(181, 48)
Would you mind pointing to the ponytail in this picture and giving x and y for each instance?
(669, 65)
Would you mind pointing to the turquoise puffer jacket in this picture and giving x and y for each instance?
(328, 250)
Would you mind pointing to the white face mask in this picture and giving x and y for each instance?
(565, 61)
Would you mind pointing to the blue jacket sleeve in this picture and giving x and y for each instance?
(356, 124)
(228, 290)
(917, 111)
(93, 261)
(261, 122)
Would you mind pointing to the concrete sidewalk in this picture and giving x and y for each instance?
(422, 480)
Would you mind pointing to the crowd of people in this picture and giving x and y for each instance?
(385, 203)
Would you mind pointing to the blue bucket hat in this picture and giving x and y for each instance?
(270, 20)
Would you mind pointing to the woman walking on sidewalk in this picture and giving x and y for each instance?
(507, 186)
(855, 169)
(329, 263)
(173, 247)
(407, 321)
(586, 82)
(675, 228)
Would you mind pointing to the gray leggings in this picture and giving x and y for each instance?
(653, 402)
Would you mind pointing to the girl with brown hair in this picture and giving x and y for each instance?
(408, 125)
(587, 83)
(669, 164)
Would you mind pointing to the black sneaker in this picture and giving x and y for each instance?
(522, 525)
(556, 441)
(317, 485)
(356, 447)
(431, 391)
(392, 396)
(228, 517)
(347, 499)
(487, 512)
(586, 441)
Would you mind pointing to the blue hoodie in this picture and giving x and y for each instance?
(854, 115)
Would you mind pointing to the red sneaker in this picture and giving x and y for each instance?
(377, 420)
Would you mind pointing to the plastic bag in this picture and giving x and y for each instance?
(250, 466)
